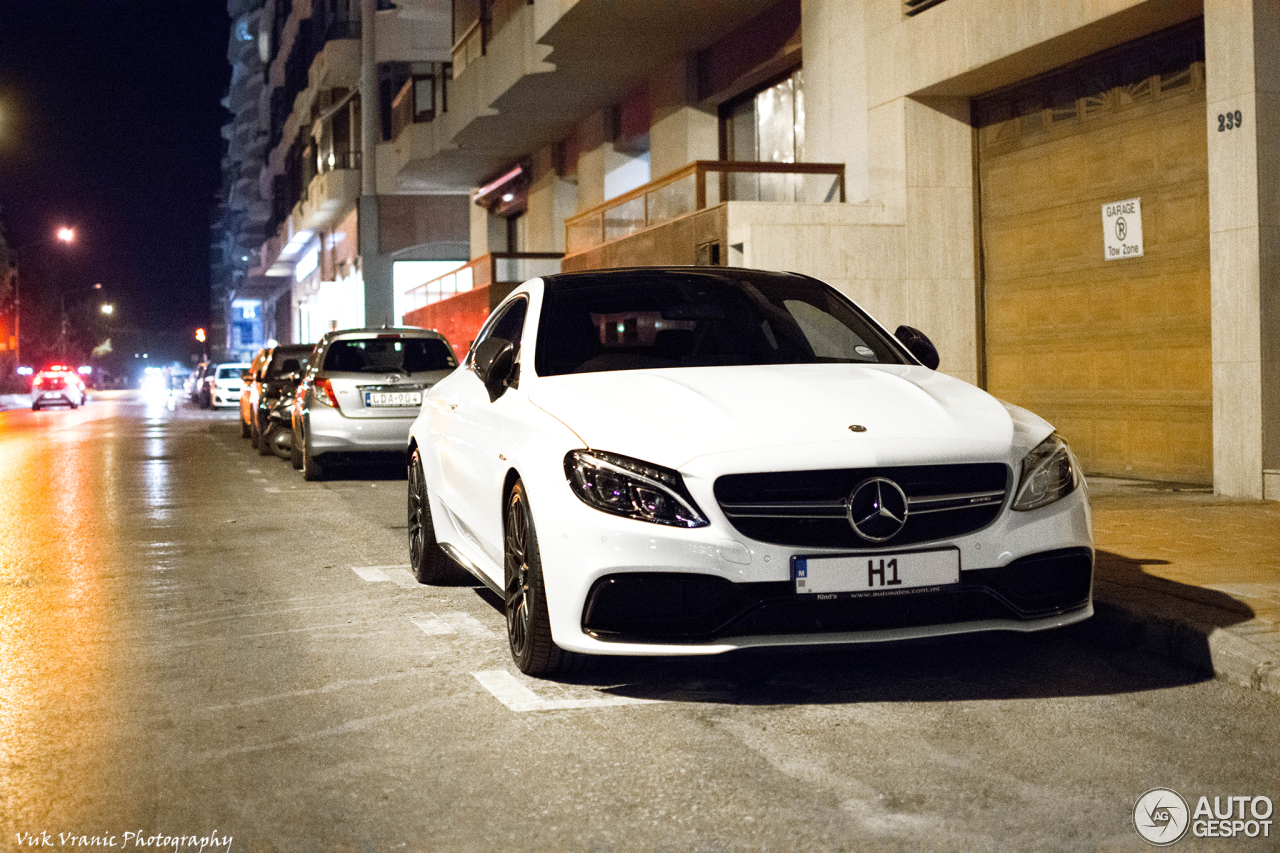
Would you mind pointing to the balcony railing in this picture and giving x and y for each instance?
(687, 190)
(421, 98)
(496, 268)
(476, 29)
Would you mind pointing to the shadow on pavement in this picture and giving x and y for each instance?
(1082, 660)
(1129, 572)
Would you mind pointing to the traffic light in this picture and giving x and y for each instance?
(200, 335)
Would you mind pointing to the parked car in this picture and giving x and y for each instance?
(694, 460)
(225, 384)
(56, 387)
(200, 394)
(361, 393)
(249, 393)
(277, 376)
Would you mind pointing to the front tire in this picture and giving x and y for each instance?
(528, 620)
(429, 563)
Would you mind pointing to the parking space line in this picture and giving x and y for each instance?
(401, 577)
(508, 690)
(452, 623)
(370, 574)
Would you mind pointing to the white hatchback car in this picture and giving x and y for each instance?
(226, 383)
(695, 460)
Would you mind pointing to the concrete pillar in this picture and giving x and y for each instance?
(679, 131)
(1242, 70)
(375, 267)
(592, 142)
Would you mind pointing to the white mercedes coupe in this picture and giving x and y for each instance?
(691, 460)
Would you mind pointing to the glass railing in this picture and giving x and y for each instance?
(697, 186)
(495, 268)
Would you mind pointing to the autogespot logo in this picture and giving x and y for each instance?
(1160, 816)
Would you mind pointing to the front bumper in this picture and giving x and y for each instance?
(618, 586)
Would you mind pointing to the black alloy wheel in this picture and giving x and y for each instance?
(429, 562)
(525, 598)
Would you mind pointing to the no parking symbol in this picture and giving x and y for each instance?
(1122, 229)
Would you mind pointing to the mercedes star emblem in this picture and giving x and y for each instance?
(877, 509)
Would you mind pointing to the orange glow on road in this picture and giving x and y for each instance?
(56, 617)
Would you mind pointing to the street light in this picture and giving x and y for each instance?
(107, 309)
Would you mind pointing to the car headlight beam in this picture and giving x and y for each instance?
(628, 487)
(1049, 473)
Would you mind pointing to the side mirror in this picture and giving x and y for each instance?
(919, 345)
(493, 363)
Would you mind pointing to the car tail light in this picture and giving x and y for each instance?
(324, 393)
(39, 381)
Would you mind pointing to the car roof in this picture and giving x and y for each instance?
(570, 280)
(403, 331)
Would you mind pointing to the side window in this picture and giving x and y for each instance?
(509, 325)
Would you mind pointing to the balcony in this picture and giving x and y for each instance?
(330, 195)
(682, 195)
(457, 303)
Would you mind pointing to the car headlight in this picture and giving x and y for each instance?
(628, 487)
(1049, 473)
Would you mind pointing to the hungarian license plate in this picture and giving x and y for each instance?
(391, 399)
(866, 575)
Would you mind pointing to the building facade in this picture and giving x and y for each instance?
(302, 244)
(1079, 202)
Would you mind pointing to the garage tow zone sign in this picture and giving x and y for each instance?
(1122, 229)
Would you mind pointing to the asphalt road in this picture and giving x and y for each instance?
(195, 642)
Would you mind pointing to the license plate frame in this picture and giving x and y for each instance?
(380, 399)
(871, 575)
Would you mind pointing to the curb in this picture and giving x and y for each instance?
(1194, 642)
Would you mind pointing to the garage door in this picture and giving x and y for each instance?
(1115, 353)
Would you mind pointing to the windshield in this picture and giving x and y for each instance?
(380, 355)
(638, 321)
(292, 361)
(232, 372)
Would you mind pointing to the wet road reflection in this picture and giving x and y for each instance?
(61, 504)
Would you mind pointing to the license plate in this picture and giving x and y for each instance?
(868, 575)
(391, 399)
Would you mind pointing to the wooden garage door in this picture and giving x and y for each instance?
(1116, 354)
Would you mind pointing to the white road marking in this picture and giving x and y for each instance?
(432, 626)
(253, 471)
(452, 623)
(402, 578)
(508, 690)
(370, 574)
(398, 575)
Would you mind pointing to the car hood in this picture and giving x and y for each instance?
(799, 416)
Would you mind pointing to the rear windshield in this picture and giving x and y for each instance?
(379, 355)
(53, 382)
(662, 321)
(230, 372)
(282, 363)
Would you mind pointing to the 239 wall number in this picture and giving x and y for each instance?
(1230, 121)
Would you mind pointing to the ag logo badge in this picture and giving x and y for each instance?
(1161, 816)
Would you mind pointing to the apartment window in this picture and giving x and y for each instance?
(766, 125)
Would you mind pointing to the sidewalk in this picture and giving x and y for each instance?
(1190, 575)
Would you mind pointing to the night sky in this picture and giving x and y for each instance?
(109, 121)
